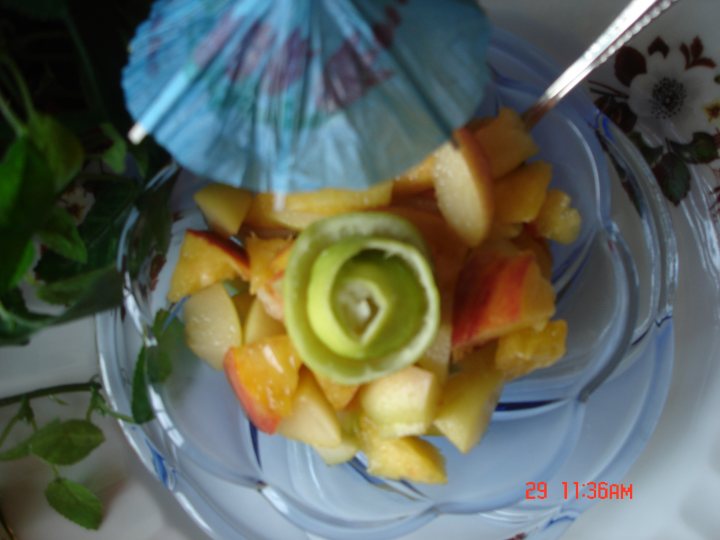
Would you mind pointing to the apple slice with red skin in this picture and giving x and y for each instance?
(464, 187)
(500, 289)
(264, 376)
(206, 259)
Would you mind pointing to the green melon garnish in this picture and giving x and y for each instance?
(360, 297)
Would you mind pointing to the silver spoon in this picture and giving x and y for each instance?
(636, 16)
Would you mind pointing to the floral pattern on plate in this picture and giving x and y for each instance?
(666, 98)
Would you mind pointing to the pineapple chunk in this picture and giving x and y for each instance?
(526, 350)
(557, 220)
(520, 194)
(297, 210)
(402, 403)
(312, 420)
(406, 458)
(469, 399)
(506, 142)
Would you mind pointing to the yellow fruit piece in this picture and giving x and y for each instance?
(522, 351)
(223, 206)
(463, 187)
(297, 210)
(520, 194)
(406, 458)
(436, 358)
(259, 325)
(205, 259)
(264, 375)
(417, 179)
(350, 443)
(469, 399)
(499, 290)
(339, 395)
(242, 302)
(505, 141)
(526, 241)
(504, 231)
(402, 403)
(268, 259)
(312, 420)
(212, 324)
(557, 220)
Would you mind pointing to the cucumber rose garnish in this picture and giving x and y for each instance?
(360, 297)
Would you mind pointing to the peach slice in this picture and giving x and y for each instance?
(463, 187)
(505, 141)
(500, 289)
(312, 420)
(402, 403)
(469, 399)
(268, 259)
(212, 324)
(264, 376)
(528, 349)
(297, 210)
(557, 220)
(406, 458)
(223, 206)
(520, 194)
(205, 259)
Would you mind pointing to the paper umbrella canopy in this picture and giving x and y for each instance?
(294, 95)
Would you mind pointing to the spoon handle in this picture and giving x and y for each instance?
(636, 16)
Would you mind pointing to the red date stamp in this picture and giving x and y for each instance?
(600, 491)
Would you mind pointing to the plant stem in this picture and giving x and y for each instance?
(8, 429)
(10, 117)
(44, 392)
(21, 85)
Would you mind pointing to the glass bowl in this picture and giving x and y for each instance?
(583, 420)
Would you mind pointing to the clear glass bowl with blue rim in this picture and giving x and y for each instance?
(583, 420)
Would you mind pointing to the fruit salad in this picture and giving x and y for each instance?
(375, 321)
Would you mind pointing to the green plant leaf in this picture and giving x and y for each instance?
(170, 335)
(83, 287)
(116, 154)
(140, 402)
(701, 149)
(20, 450)
(17, 323)
(75, 502)
(60, 233)
(32, 204)
(27, 258)
(673, 176)
(67, 442)
(100, 231)
(62, 149)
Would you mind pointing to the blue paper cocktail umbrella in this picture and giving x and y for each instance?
(293, 95)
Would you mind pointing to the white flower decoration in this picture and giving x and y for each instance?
(669, 98)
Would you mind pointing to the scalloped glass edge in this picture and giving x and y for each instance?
(183, 490)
